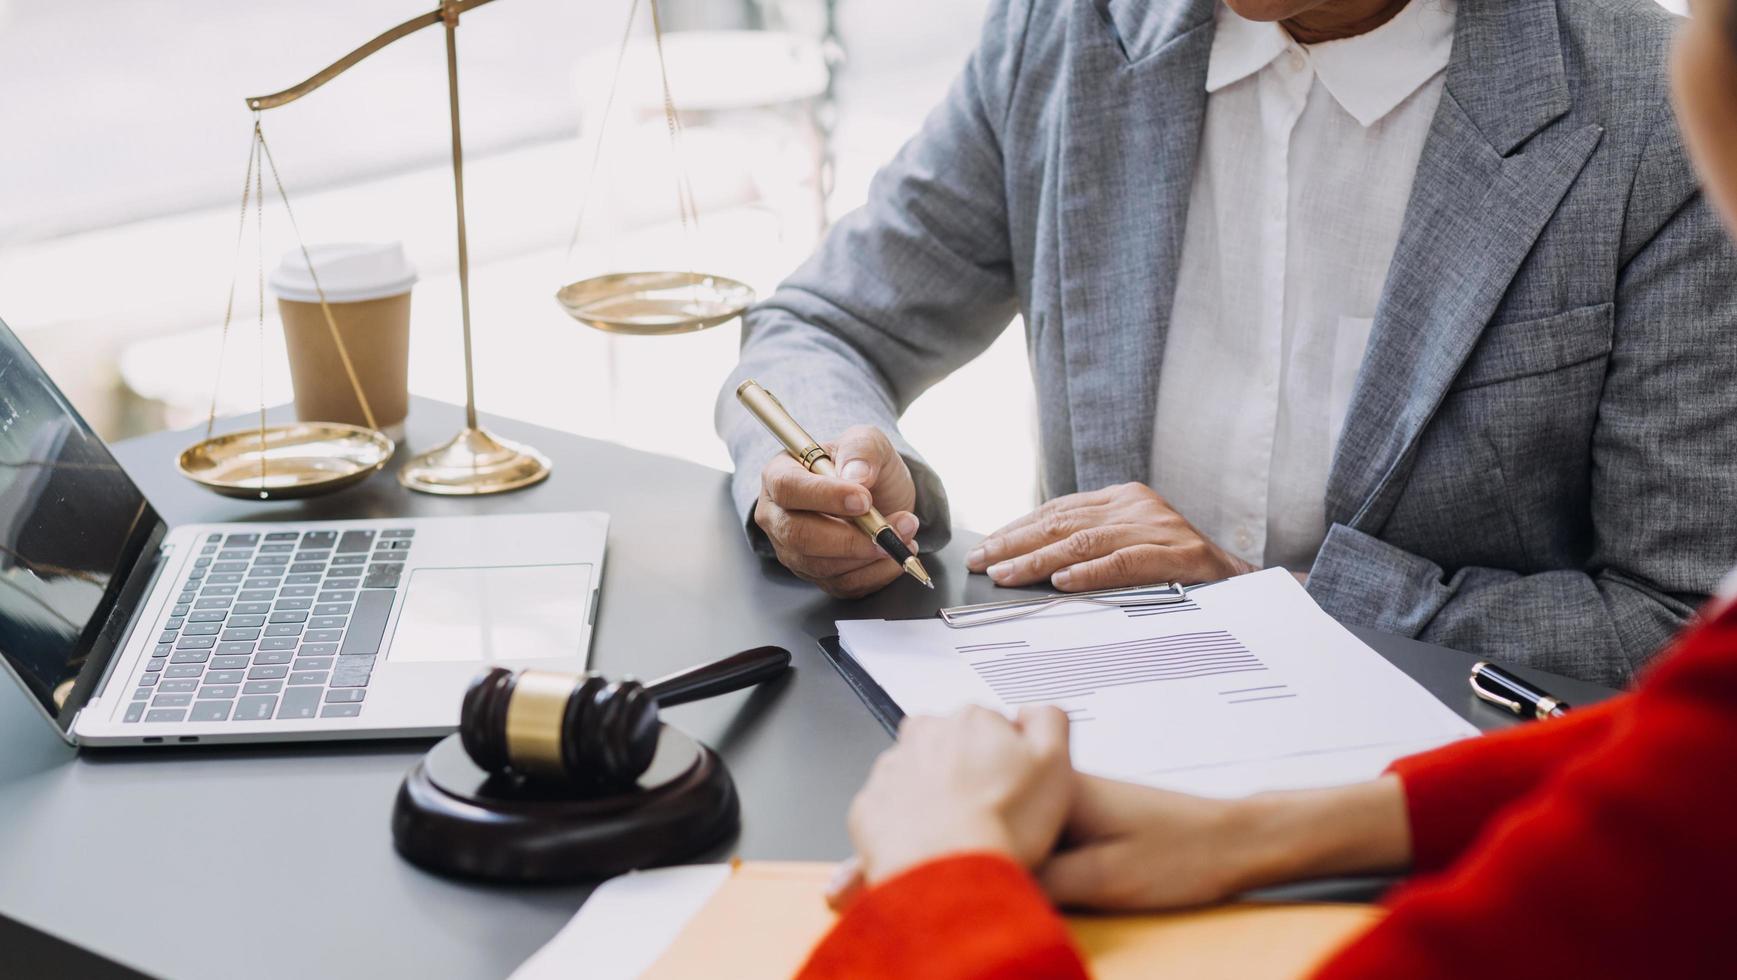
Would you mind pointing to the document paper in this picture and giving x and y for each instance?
(1245, 686)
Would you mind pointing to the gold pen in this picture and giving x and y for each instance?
(800, 445)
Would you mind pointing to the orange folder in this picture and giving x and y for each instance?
(767, 916)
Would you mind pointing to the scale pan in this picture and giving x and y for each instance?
(300, 460)
(648, 304)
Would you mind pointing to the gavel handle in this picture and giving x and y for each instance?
(732, 673)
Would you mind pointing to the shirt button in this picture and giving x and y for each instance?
(1294, 62)
(1244, 540)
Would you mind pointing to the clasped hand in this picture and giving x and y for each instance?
(1119, 536)
(980, 782)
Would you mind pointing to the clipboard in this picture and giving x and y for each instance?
(873, 696)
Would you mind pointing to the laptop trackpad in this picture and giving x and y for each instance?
(522, 613)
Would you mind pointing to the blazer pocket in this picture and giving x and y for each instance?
(1524, 348)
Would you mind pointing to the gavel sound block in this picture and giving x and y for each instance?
(569, 777)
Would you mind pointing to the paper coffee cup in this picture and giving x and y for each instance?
(367, 286)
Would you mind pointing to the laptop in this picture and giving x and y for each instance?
(125, 631)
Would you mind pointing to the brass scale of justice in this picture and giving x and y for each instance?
(309, 458)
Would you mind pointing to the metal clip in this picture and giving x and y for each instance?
(983, 614)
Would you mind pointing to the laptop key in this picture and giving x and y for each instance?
(156, 663)
(228, 663)
(142, 694)
(207, 615)
(299, 702)
(307, 566)
(272, 657)
(184, 670)
(229, 566)
(201, 629)
(259, 608)
(196, 643)
(271, 560)
(190, 656)
(261, 687)
(345, 596)
(355, 541)
(147, 680)
(213, 676)
(298, 591)
(313, 579)
(284, 629)
(222, 692)
(175, 623)
(341, 710)
(332, 609)
(313, 663)
(258, 595)
(277, 549)
(171, 700)
(256, 708)
(209, 711)
(327, 622)
(319, 556)
(246, 622)
(166, 714)
(322, 636)
(283, 535)
(241, 540)
(399, 532)
(181, 610)
(222, 590)
(368, 624)
(168, 636)
(135, 711)
(235, 554)
(318, 650)
(345, 694)
(277, 643)
(224, 578)
(307, 677)
(302, 604)
(232, 636)
(383, 576)
(269, 673)
(319, 539)
(344, 560)
(177, 686)
(163, 650)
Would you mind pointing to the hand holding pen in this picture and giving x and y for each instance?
(811, 495)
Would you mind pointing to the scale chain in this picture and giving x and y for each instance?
(234, 275)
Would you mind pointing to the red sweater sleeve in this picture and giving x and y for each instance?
(1451, 792)
(1619, 864)
(967, 916)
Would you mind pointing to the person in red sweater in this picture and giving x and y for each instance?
(1597, 845)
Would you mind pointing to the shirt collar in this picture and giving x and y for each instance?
(1368, 75)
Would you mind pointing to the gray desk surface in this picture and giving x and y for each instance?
(268, 862)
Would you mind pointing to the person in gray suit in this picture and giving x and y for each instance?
(1418, 299)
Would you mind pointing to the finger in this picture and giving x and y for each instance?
(1045, 726)
(870, 578)
(1137, 564)
(792, 487)
(1086, 877)
(813, 535)
(1072, 551)
(823, 569)
(847, 883)
(1053, 521)
(862, 453)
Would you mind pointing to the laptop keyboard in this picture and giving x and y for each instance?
(285, 624)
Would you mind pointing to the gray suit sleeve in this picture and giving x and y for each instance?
(1663, 478)
(902, 292)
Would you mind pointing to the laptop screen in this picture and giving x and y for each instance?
(72, 526)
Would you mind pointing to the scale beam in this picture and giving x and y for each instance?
(448, 9)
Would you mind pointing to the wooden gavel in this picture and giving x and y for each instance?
(583, 730)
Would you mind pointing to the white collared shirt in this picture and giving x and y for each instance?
(1306, 164)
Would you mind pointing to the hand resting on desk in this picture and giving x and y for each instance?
(1103, 539)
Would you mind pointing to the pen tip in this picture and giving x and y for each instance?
(915, 569)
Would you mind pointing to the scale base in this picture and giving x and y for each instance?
(453, 818)
(475, 462)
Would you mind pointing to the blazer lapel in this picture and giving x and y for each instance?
(1478, 203)
(1135, 100)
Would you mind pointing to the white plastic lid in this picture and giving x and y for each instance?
(349, 272)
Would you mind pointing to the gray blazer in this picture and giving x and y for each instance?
(1537, 463)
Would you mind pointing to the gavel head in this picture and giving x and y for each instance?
(574, 729)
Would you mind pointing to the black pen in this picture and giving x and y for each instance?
(1497, 686)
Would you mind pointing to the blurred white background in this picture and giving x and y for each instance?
(127, 138)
